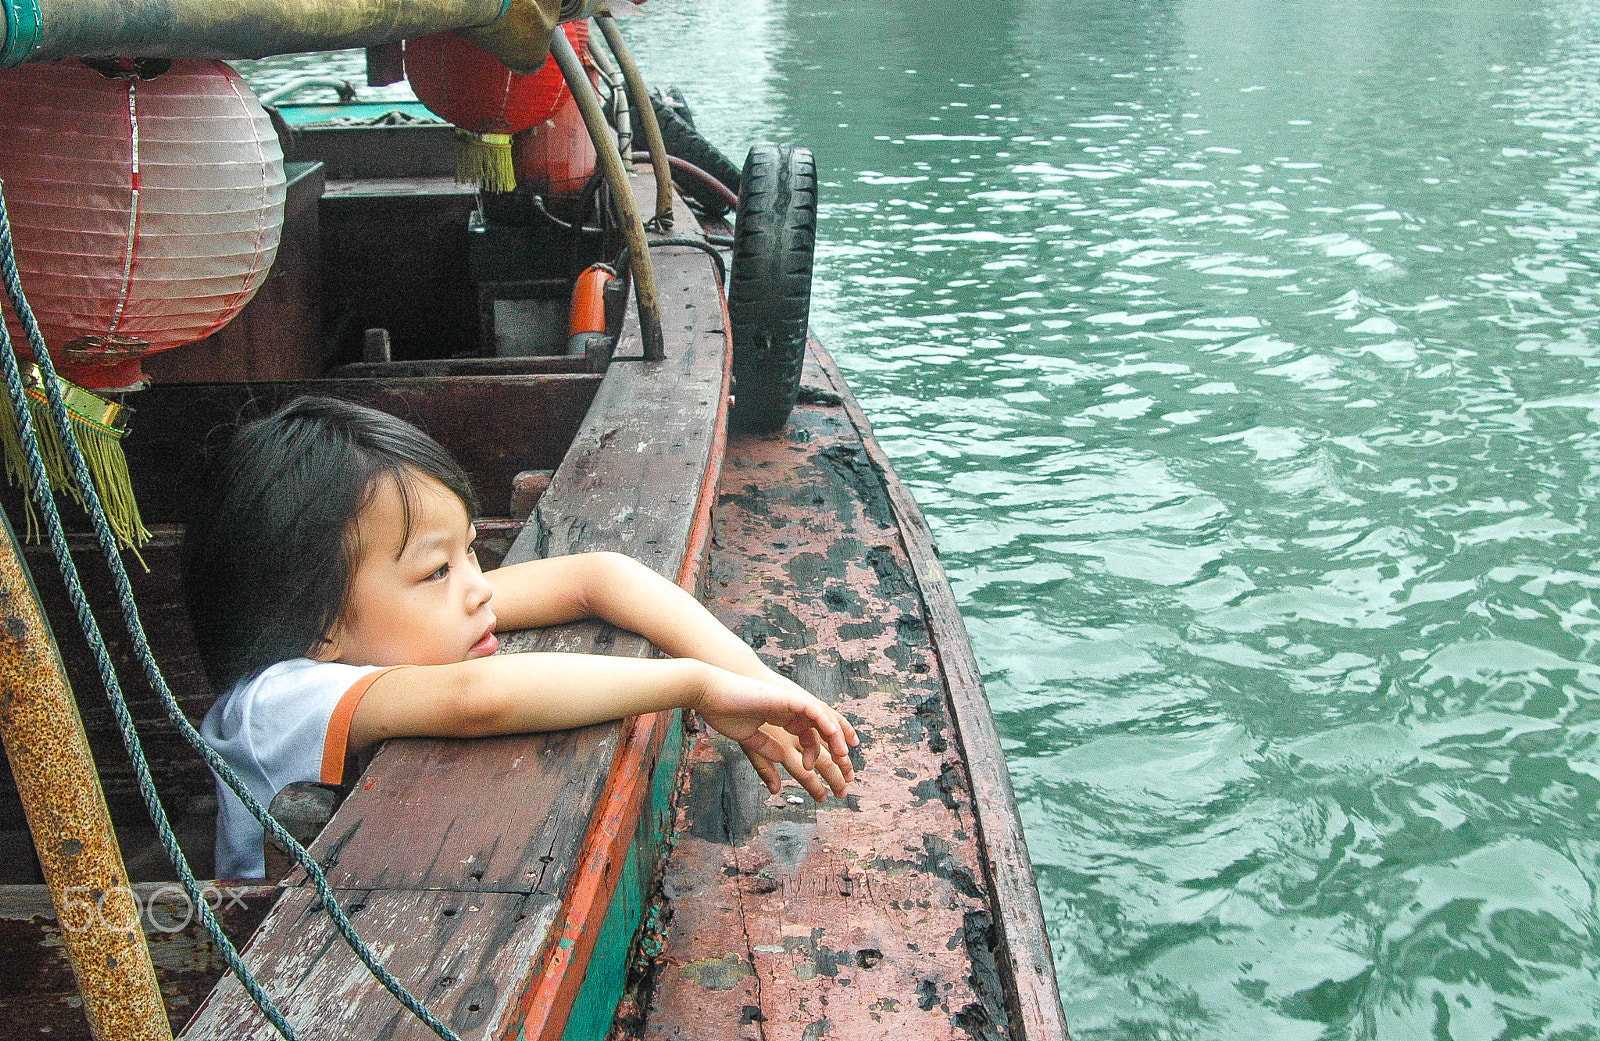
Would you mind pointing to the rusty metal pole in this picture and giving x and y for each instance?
(639, 94)
(605, 146)
(49, 754)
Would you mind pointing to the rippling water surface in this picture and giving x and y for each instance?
(1241, 354)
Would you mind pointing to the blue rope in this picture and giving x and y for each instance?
(141, 646)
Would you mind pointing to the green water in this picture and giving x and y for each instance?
(1241, 355)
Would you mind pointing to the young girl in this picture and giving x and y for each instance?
(337, 601)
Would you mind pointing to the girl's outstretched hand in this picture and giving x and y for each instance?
(753, 711)
(824, 776)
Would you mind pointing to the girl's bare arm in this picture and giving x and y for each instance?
(520, 693)
(620, 590)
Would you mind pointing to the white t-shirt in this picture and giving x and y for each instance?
(289, 723)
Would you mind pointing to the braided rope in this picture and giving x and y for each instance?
(119, 706)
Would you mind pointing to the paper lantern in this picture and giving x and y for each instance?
(487, 102)
(557, 157)
(146, 211)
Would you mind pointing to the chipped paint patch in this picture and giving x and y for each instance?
(722, 973)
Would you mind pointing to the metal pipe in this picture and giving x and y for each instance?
(515, 31)
(640, 96)
(67, 815)
(605, 146)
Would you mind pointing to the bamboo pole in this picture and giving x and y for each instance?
(44, 30)
(640, 95)
(49, 754)
(605, 146)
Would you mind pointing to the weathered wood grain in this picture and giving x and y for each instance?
(1033, 995)
(508, 832)
(38, 997)
(864, 918)
(466, 955)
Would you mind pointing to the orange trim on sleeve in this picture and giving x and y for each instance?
(338, 736)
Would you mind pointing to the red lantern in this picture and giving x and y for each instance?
(146, 212)
(557, 157)
(465, 85)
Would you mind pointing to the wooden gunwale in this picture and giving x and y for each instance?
(627, 789)
(1034, 998)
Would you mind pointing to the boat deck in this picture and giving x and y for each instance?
(872, 916)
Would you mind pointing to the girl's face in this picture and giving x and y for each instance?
(417, 600)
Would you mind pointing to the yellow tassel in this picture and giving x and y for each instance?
(99, 426)
(485, 160)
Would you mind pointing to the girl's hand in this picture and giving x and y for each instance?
(751, 711)
(817, 781)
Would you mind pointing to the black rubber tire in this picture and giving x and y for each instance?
(685, 142)
(672, 97)
(769, 287)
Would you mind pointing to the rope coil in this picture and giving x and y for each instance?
(107, 538)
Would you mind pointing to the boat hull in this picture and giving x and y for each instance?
(879, 916)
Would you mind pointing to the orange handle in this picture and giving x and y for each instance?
(588, 314)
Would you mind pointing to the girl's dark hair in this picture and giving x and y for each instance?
(269, 555)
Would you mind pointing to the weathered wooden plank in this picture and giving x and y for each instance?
(861, 919)
(397, 831)
(632, 479)
(465, 954)
(1033, 995)
(38, 997)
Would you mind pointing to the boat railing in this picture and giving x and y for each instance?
(344, 88)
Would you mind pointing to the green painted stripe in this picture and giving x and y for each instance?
(304, 115)
(22, 29)
(596, 1004)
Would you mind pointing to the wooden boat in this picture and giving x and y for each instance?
(626, 880)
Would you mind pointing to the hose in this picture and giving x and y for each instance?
(705, 179)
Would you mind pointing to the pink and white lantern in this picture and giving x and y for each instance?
(146, 212)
